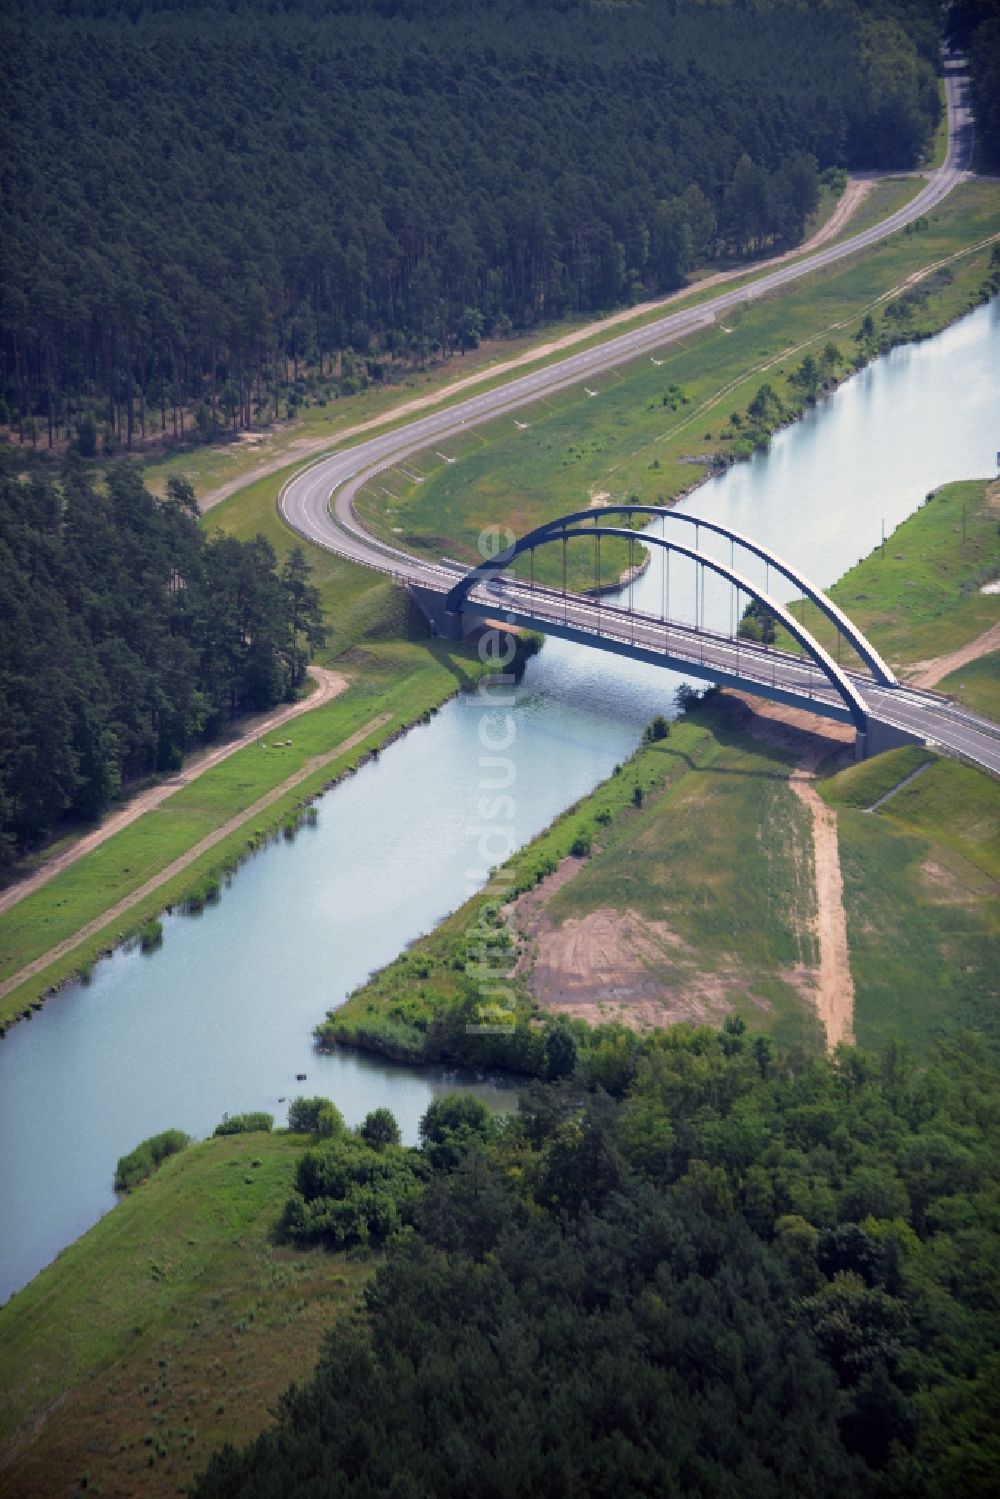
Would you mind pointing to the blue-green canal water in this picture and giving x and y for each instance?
(221, 1018)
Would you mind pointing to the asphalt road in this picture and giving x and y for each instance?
(714, 657)
(319, 502)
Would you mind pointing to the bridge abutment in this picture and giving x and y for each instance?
(881, 737)
(448, 624)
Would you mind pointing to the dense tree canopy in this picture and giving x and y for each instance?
(974, 27)
(125, 635)
(202, 203)
(753, 1272)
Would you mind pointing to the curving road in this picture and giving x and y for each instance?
(738, 663)
(318, 503)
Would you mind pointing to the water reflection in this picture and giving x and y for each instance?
(220, 1019)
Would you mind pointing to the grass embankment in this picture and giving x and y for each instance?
(653, 430)
(920, 596)
(394, 685)
(921, 885)
(977, 685)
(366, 612)
(864, 785)
(319, 425)
(169, 1328)
(689, 873)
(711, 917)
(398, 675)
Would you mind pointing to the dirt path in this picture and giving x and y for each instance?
(832, 988)
(835, 989)
(317, 762)
(931, 672)
(853, 196)
(331, 684)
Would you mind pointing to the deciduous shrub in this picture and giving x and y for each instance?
(144, 1159)
(245, 1124)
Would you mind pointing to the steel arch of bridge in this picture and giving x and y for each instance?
(856, 705)
(553, 530)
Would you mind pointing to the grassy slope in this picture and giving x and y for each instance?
(401, 680)
(209, 467)
(921, 598)
(741, 905)
(692, 857)
(977, 685)
(921, 886)
(626, 441)
(170, 1327)
(863, 785)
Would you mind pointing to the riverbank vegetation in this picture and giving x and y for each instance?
(172, 1325)
(804, 1217)
(686, 906)
(570, 1269)
(655, 428)
(138, 1166)
(304, 223)
(920, 596)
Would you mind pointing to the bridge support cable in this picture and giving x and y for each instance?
(855, 704)
(879, 670)
(631, 590)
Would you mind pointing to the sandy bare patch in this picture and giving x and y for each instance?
(615, 964)
(792, 729)
(943, 886)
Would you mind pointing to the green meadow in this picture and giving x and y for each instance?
(171, 1326)
(653, 430)
(920, 596)
(921, 894)
(672, 839)
(400, 681)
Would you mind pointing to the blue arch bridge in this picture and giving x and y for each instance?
(868, 696)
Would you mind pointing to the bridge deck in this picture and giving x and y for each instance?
(706, 654)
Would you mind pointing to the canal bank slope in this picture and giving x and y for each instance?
(371, 624)
(707, 877)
